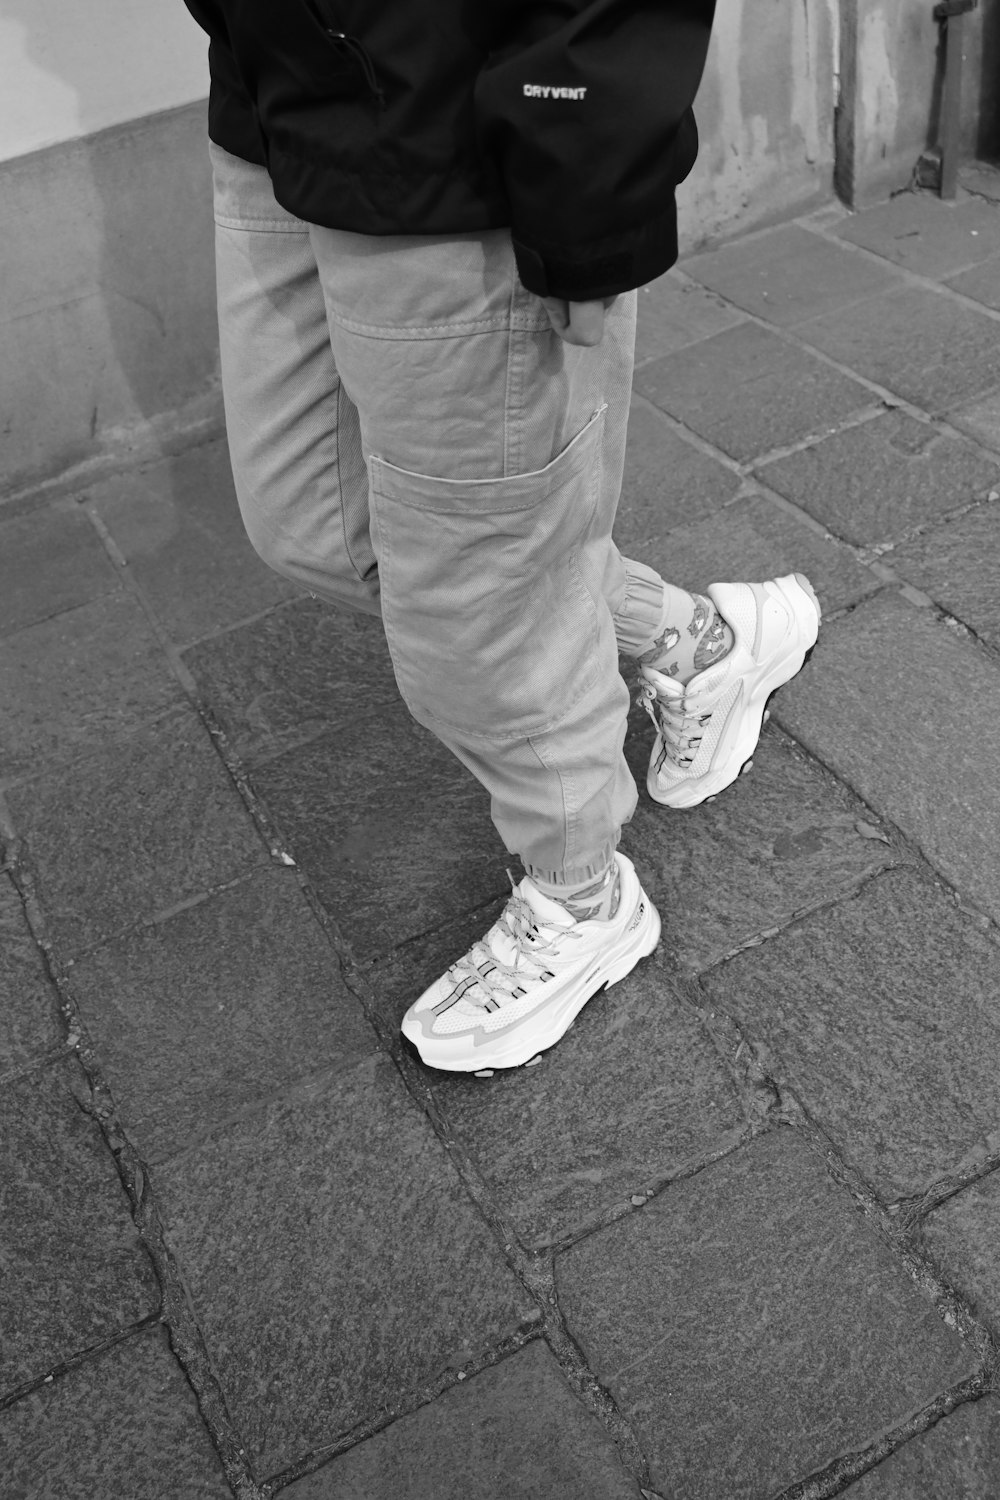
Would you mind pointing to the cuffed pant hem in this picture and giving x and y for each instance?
(637, 622)
(583, 875)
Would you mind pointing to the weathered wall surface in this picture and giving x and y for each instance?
(892, 67)
(765, 114)
(107, 298)
(107, 319)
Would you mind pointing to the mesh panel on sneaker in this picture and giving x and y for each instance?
(701, 755)
(741, 612)
(455, 1020)
(459, 1019)
(712, 731)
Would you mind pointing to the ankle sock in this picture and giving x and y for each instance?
(692, 635)
(596, 901)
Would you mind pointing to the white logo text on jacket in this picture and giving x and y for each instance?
(547, 91)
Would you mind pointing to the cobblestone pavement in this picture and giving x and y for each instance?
(736, 1236)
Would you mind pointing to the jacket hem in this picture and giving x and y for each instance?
(548, 272)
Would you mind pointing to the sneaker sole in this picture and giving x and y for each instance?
(522, 1049)
(808, 615)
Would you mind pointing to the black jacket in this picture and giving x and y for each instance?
(568, 121)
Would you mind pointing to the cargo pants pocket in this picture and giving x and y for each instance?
(492, 628)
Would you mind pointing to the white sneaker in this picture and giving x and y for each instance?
(519, 989)
(708, 728)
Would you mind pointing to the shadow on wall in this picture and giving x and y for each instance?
(987, 143)
(108, 291)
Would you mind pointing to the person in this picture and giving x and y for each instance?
(432, 220)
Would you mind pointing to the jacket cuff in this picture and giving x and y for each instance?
(606, 271)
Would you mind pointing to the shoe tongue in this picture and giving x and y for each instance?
(548, 912)
(709, 680)
(669, 687)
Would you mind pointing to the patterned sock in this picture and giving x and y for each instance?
(597, 901)
(692, 636)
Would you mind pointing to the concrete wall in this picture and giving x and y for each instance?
(107, 319)
(72, 67)
(891, 71)
(765, 115)
(107, 313)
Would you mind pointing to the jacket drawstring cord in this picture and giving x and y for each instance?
(366, 63)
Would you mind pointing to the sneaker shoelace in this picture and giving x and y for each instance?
(496, 980)
(679, 723)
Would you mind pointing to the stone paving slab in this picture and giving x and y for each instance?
(781, 838)
(283, 679)
(392, 832)
(921, 345)
(77, 680)
(752, 1327)
(29, 1006)
(882, 1009)
(748, 391)
(72, 1270)
(962, 1236)
(980, 419)
(877, 482)
(513, 1432)
(633, 1093)
(333, 1261)
(672, 314)
(788, 274)
(918, 742)
(757, 539)
(956, 1459)
(956, 564)
(50, 560)
(920, 233)
(981, 178)
(667, 483)
(125, 1424)
(981, 283)
(178, 524)
(221, 1005)
(143, 824)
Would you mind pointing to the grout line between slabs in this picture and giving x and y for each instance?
(897, 1233)
(77, 1360)
(176, 1310)
(260, 819)
(408, 1405)
(219, 632)
(913, 279)
(895, 1229)
(901, 839)
(728, 1142)
(910, 1212)
(139, 447)
(526, 1265)
(890, 398)
(848, 1468)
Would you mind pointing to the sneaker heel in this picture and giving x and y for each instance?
(807, 588)
(646, 942)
